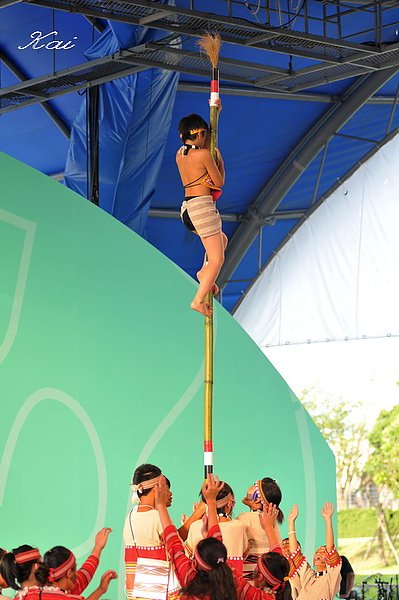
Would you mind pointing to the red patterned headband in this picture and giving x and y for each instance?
(201, 563)
(58, 572)
(270, 579)
(223, 501)
(24, 557)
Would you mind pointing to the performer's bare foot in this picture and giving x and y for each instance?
(214, 288)
(202, 307)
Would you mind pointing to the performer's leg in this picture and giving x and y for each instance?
(215, 289)
(214, 248)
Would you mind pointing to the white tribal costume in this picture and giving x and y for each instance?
(311, 585)
(234, 538)
(142, 536)
(257, 540)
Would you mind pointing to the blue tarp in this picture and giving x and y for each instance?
(134, 114)
(139, 133)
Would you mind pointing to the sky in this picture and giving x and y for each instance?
(365, 371)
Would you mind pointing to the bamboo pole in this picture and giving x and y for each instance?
(211, 46)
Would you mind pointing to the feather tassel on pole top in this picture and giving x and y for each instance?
(210, 44)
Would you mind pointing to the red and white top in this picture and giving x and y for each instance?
(186, 571)
(311, 586)
(234, 538)
(83, 577)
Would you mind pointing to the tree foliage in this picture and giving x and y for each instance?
(383, 463)
(345, 435)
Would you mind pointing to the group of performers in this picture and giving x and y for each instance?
(257, 563)
(211, 555)
(53, 575)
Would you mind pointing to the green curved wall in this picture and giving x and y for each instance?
(101, 364)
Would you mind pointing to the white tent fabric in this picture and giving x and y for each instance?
(338, 276)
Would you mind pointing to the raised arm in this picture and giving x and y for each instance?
(100, 541)
(216, 172)
(103, 587)
(220, 163)
(268, 521)
(87, 570)
(161, 500)
(246, 591)
(182, 565)
(210, 489)
(196, 515)
(327, 513)
(292, 517)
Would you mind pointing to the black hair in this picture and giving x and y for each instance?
(279, 567)
(145, 473)
(190, 122)
(12, 572)
(271, 491)
(217, 584)
(2, 554)
(51, 560)
(225, 491)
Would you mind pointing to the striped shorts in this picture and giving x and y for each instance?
(201, 215)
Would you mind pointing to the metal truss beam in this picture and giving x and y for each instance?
(283, 215)
(232, 29)
(229, 90)
(315, 206)
(167, 213)
(52, 113)
(163, 54)
(335, 59)
(159, 55)
(41, 89)
(35, 90)
(119, 65)
(298, 160)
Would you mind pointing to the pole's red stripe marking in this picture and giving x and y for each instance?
(214, 86)
(208, 446)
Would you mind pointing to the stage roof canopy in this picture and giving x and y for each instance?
(309, 91)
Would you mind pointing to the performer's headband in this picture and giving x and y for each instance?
(27, 556)
(58, 572)
(146, 485)
(259, 494)
(223, 501)
(272, 581)
(200, 562)
(194, 131)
